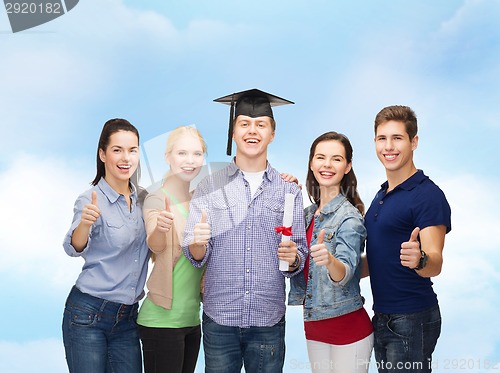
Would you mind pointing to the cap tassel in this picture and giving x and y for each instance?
(230, 131)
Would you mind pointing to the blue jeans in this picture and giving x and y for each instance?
(227, 348)
(405, 342)
(100, 336)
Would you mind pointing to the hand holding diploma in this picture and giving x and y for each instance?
(287, 250)
(287, 253)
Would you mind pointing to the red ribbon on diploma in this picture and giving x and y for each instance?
(285, 231)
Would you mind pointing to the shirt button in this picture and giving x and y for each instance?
(381, 202)
(248, 249)
(248, 271)
(309, 296)
(246, 292)
(321, 218)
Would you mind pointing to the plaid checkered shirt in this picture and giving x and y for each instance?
(243, 284)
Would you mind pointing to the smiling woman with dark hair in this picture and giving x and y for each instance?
(338, 330)
(99, 324)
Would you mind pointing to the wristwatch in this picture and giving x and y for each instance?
(296, 263)
(423, 260)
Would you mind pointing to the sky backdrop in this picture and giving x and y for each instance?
(160, 65)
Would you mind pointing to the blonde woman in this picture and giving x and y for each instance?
(169, 318)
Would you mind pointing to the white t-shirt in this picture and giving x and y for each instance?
(254, 179)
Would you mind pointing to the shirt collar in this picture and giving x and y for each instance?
(410, 183)
(331, 207)
(232, 168)
(111, 194)
(268, 172)
(334, 204)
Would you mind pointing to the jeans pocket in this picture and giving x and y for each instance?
(267, 352)
(270, 360)
(432, 326)
(431, 331)
(400, 325)
(82, 317)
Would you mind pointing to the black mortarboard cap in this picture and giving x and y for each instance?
(253, 103)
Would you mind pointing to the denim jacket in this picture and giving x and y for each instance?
(345, 235)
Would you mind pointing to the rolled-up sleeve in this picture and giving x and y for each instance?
(77, 214)
(350, 241)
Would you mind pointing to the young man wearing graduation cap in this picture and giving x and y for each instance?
(231, 229)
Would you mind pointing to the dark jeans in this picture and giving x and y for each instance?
(227, 348)
(172, 350)
(405, 342)
(100, 336)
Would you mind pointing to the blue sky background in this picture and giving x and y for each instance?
(160, 65)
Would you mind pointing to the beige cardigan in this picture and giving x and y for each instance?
(160, 280)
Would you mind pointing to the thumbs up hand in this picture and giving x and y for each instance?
(319, 252)
(410, 250)
(90, 211)
(164, 219)
(201, 230)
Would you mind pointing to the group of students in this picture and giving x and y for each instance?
(223, 244)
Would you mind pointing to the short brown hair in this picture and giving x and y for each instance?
(398, 113)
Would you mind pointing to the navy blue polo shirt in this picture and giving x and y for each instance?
(416, 202)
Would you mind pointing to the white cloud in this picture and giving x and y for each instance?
(33, 356)
(473, 16)
(111, 21)
(468, 285)
(474, 201)
(38, 197)
(101, 54)
(105, 25)
(464, 52)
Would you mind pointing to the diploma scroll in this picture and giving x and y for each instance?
(287, 225)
